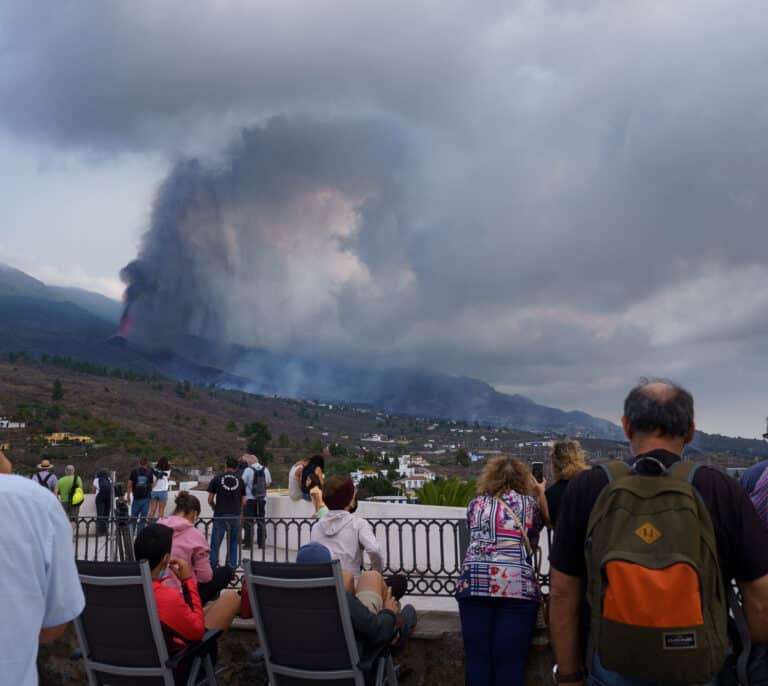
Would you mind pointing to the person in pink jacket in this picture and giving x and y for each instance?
(190, 545)
(345, 535)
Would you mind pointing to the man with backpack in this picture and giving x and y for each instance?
(102, 487)
(45, 476)
(654, 545)
(140, 490)
(69, 489)
(257, 480)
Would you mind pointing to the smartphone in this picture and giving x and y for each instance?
(537, 468)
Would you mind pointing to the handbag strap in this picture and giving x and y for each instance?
(520, 526)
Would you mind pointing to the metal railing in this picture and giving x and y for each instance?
(429, 552)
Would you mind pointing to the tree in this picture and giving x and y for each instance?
(258, 435)
(451, 492)
(377, 485)
(337, 450)
(231, 426)
(462, 457)
(283, 441)
(57, 392)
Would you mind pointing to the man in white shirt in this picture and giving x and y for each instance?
(40, 591)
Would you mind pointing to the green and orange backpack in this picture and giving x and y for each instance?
(658, 606)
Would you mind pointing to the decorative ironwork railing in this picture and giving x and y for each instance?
(427, 551)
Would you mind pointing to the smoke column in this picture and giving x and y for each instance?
(262, 246)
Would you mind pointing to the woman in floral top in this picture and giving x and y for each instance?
(498, 593)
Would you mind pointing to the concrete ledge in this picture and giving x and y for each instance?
(434, 657)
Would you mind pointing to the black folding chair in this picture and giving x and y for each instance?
(305, 628)
(120, 634)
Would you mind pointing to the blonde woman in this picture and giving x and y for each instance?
(498, 593)
(568, 459)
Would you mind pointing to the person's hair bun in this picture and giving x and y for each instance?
(186, 503)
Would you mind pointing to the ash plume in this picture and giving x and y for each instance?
(259, 246)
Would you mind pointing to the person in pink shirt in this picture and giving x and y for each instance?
(190, 545)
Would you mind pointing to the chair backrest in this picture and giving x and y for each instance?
(303, 621)
(119, 629)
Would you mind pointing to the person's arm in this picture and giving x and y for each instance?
(755, 599)
(317, 501)
(540, 495)
(371, 546)
(63, 593)
(212, 493)
(372, 629)
(564, 604)
(267, 477)
(187, 620)
(201, 563)
(129, 489)
(52, 633)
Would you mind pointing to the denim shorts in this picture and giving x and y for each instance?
(160, 495)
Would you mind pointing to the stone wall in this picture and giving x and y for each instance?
(434, 657)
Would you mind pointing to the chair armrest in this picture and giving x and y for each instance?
(196, 648)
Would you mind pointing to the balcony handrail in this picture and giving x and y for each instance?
(428, 550)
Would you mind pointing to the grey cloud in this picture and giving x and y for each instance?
(528, 192)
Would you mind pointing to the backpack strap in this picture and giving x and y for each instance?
(615, 470)
(74, 487)
(685, 471)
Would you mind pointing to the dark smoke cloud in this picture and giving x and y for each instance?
(259, 247)
(556, 196)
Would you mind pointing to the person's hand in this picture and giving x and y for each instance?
(181, 569)
(389, 602)
(538, 487)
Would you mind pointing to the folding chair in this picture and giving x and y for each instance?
(120, 634)
(305, 629)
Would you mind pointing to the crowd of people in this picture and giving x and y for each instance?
(643, 555)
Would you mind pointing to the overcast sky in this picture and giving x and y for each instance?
(554, 196)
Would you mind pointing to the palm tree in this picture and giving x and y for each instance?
(450, 493)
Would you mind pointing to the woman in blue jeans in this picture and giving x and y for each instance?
(498, 593)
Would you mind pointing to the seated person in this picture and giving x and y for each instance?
(190, 545)
(312, 476)
(345, 535)
(181, 612)
(376, 616)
